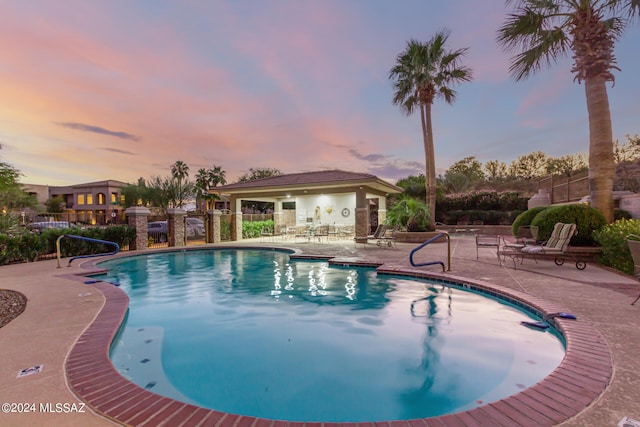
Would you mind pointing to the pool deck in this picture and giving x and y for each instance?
(61, 307)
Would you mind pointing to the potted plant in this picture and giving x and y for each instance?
(411, 219)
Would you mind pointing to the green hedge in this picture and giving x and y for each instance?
(525, 218)
(490, 217)
(586, 218)
(483, 201)
(25, 245)
(613, 240)
(253, 229)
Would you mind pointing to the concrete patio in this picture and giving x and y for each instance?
(60, 307)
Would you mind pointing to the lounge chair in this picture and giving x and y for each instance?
(554, 248)
(634, 246)
(380, 230)
(388, 238)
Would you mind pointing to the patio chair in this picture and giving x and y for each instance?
(380, 230)
(488, 241)
(555, 247)
(634, 246)
(266, 233)
(388, 238)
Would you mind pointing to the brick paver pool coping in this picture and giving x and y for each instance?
(581, 377)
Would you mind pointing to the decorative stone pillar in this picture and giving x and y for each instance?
(361, 216)
(137, 217)
(362, 225)
(176, 229)
(236, 226)
(236, 218)
(215, 226)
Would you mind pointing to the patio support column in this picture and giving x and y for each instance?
(176, 229)
(236, 218)
(215, 225)
(277, 215)
(382, 209)
(137, 217)
(362, 216)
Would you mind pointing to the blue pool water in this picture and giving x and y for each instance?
(251, 332)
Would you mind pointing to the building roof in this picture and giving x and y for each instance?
(309, 180)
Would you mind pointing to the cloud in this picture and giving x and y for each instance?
(368, 157)
(116, 150)
(100, 130)
(388, 167)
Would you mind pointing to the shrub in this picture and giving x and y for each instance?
(525, 218)
(621, 214)
(253, 229)
(26, 245)
(489, 217)
(409, 213)
(483, 200)
(613, 240)
(586, 218)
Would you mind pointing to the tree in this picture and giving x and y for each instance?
(179, 171)
(627, 152)
(205, 180)
(422, 73)
(470, 167)
(566, 165)
(543, 32)
(529, 166)
(495, 170)
(259, 173)
(54, 204)
(414, 186)
(624, 156)
(456, 182)
(12, 196)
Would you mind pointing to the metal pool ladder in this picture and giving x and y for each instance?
(422, 245)
(88, 239)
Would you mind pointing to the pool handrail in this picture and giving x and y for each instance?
(422, 245)
(88, 239)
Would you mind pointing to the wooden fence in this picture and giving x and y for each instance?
(565, 189)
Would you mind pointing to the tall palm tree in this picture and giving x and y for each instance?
(543, 32)
(179, 171)
(217, 176)
(202, 187)
(422, 73)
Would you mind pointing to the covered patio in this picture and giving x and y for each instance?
(338, 198)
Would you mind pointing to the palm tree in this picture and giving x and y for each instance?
(179, 171)
(206, 179)
(543, 32)
(202, 187)
(424, 72)
(217, 176)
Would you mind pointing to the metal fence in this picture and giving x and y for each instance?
(564, 189)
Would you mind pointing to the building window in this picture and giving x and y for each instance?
(122, 199)
(114, 198)
(89, 198)
(81, 199)
(102, 200)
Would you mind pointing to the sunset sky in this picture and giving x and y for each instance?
(121, 89)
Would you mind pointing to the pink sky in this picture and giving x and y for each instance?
(121, 90)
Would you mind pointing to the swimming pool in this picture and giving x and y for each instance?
(332, 344)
